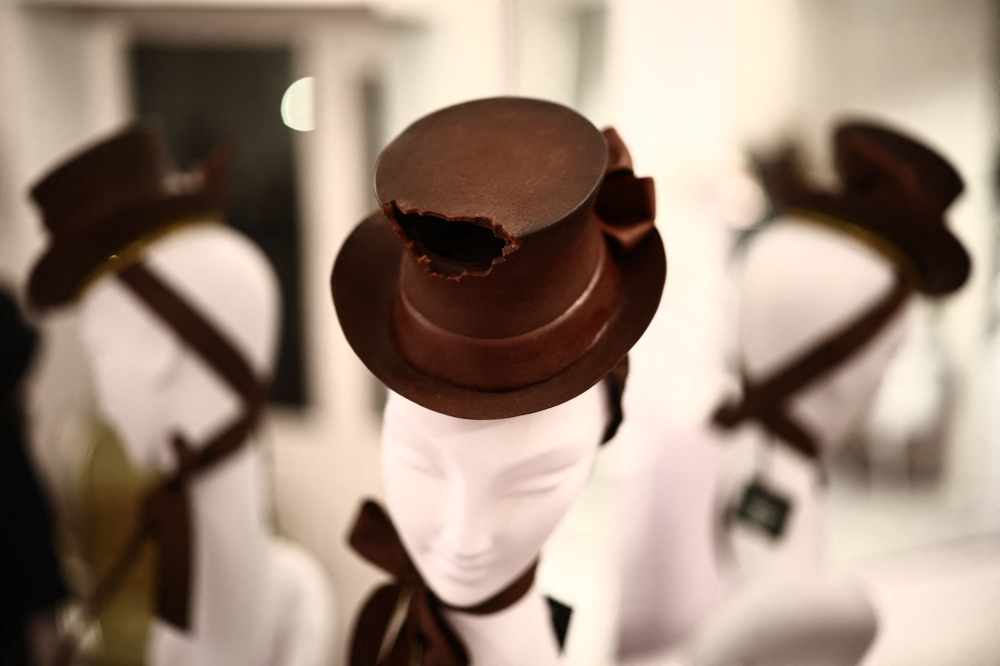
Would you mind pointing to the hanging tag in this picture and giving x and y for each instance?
(763, 509)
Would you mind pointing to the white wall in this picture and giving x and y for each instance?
(64, 85)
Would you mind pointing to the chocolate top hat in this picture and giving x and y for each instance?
(108, 196)
(513, 263)
(892, 187)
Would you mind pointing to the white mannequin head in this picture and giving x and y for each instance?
(150, 384)
(802, 282)
(474, 501)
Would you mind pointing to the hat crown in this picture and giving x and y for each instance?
(894, 189)
(895, 171)
(493, 198)
(519, 165)
(125, 171)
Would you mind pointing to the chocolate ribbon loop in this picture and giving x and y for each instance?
(424, 638)
(765, 400)
(626, 205)
(424, 633)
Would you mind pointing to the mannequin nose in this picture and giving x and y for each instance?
(469, 528)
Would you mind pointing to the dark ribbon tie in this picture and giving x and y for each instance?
(401, 623)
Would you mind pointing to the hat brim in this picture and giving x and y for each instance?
(67, 263)
(364, 281)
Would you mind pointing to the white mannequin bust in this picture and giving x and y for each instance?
(801, 282)
(474, 501)
(788, 621)
(149, 386)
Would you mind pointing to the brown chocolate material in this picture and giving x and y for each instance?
(110, 195)
(521, 164)
(497, 364)
(765, 401)
(526, 263)
(892, 187)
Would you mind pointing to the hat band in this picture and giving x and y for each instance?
(874, 241)
(503, 364)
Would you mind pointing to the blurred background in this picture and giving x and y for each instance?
(311, 90)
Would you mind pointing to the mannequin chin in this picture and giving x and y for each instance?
(474, 501)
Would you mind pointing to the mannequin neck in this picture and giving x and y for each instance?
(520, 634)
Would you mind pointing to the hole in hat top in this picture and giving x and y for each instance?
(519, 165)
(452, 248)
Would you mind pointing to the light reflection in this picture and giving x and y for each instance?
(297, 105)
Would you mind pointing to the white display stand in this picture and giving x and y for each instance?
(255, 600)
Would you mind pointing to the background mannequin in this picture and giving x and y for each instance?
(474, 501)
(800, 282)
(255, 600)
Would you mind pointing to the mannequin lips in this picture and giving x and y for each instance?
(462, 569)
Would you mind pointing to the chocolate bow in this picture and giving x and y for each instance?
(626, 205)
(424, 639)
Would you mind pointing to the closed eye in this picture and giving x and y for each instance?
(420, 462)
(538, 484)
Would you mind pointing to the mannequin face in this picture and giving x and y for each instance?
(475, 500)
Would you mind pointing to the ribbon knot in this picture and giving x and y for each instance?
(424, 637)
(401, 623)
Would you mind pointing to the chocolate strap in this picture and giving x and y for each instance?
(196, 331)
(424, 638)
(166, 514)
(614, 385)
(765, 401)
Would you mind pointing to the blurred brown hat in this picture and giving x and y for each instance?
(892, 186)
(513, 264)
(108, 196)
